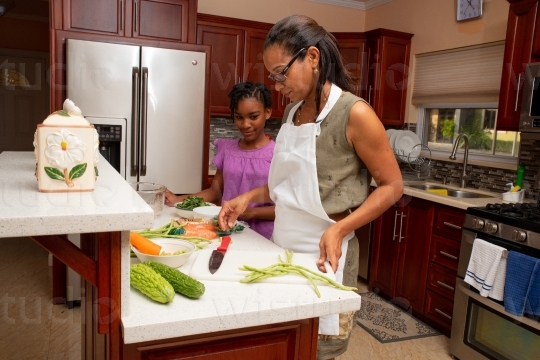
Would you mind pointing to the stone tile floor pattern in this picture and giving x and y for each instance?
(31, 328)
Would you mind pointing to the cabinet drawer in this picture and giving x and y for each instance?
(439, 309)
(448, 222)
(442, 280)
(444, 251)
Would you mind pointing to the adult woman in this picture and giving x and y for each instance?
(319, 179)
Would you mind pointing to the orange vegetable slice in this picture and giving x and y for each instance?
(143, 244)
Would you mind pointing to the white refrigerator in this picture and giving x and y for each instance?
(158, 95)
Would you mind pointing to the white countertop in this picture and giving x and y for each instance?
(24, 211)
(229, 305)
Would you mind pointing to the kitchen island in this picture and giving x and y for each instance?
(231, 319)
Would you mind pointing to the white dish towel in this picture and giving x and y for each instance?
(487, 269)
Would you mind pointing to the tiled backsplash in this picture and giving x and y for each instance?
(483, 178)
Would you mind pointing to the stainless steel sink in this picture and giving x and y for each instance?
(451, 192)
(466, 194)
(428, 187)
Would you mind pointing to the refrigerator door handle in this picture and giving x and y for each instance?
(135, 122)
(144, 108)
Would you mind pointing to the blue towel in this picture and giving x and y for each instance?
(533, 299)
(519, 270)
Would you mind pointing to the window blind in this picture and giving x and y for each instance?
(464, 75)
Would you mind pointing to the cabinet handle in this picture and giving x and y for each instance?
(121, 15)
(452, 225)
(401, 226)
(395, 222)
(445, 285)
(135, 16)
(448, 255)
(517, 92)
(369, 95)
(443, 314)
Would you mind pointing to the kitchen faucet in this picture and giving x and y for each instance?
(464, 175)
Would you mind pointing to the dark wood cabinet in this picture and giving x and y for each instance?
(399, 260)
(288, 341)
(353, 50)
(388, 55)
(172, 20)
(237, 55)
(520, 34)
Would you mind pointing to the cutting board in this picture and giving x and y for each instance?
(229, 269)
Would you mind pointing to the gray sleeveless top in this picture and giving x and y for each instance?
(342, 175)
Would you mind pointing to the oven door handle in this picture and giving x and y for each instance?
(464, 288)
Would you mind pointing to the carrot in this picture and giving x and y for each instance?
(143, 244)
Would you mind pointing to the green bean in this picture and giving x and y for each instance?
(287, 267)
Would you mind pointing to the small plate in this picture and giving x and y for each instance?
(389, 132)
(393, 137)
(406, 145)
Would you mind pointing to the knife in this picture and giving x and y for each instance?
(217, 255)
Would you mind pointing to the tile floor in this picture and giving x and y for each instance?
(31, 328)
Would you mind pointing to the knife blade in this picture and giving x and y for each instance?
(217, 255)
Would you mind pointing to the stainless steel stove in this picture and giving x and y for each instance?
(481, 328)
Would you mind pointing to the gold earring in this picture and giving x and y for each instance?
(316, 71)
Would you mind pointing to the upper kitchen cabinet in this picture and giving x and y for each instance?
(237, 50)
(521, 34)
(353, 50)
(172, 20)
(387, 73)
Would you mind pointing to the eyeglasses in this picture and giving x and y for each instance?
(280, 77)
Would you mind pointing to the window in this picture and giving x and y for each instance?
(442, 126)
(457, 91)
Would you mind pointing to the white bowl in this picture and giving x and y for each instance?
(206, 212)
(169, 246)
(188, 214)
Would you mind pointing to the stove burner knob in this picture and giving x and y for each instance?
(519, 235)
(491, 228)
(478, 224)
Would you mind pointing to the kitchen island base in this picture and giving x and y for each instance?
(284, 341)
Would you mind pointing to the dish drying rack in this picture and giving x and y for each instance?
(419, 166)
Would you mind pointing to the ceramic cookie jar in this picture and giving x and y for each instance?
(66, 150)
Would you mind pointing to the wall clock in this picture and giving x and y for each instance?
(468, 9)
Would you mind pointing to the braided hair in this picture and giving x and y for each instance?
(298, 31)
(247, 90)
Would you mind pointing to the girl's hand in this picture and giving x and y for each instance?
(231, 210)
(171, 199)
(330, 247)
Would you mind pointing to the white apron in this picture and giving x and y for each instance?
(294, 188)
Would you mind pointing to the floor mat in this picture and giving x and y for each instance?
(387, 322)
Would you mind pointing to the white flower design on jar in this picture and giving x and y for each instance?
(64, 149)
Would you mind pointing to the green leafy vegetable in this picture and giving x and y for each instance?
(191, 202)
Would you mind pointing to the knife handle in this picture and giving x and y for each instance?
(224, 243)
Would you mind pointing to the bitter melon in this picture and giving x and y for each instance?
(150, 283)
(181, 283)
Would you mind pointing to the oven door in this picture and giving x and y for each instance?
(481, 329)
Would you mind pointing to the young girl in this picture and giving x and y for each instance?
(243, 164)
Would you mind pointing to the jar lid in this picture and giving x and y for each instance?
(70, 115)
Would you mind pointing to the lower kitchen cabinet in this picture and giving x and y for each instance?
(287, 341)
(400, 253)
(414, 258)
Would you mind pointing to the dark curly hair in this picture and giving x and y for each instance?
(246, 90)
(298, 31)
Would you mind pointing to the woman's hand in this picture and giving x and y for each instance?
(171, 199)
(330, 248)
(231, 210)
